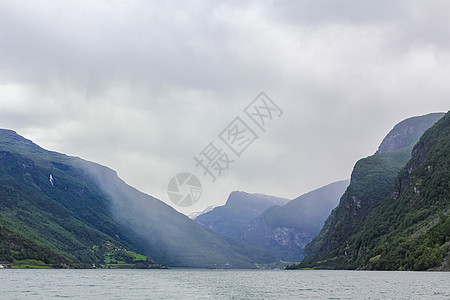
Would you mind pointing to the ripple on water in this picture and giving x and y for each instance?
(221, 284)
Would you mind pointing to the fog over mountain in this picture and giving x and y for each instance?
(58, 209)
(145, 86)
(240, 209)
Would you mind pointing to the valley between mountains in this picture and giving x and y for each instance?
(59, 211)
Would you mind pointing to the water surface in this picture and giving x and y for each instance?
(221, 284)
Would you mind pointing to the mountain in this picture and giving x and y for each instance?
(57, 209)
(194, 215)
(340, 242)
(284, 231)
(411, 229)
(240, 208)
(407, 132)
(280, 226)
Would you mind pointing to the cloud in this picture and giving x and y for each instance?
(325, 12)
(144, 86)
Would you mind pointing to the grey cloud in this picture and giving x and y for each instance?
(143, 86)
(325, 12)
(149, 43)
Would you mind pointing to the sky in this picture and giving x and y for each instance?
(144, 87)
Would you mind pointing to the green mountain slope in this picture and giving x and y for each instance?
(240, 209)
(411, 229)
(55, 208)
(371, 183)
(284, 231)
(56, 222)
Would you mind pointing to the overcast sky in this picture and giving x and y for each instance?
(144, 86)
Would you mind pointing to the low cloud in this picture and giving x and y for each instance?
(144, 86)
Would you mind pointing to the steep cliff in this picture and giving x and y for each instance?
(371, 184)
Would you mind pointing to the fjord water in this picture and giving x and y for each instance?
(221, 284)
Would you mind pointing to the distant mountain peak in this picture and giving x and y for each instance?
(270, 198)
(237, 197)
(240, 208)
(408, 132)
(195, 214)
